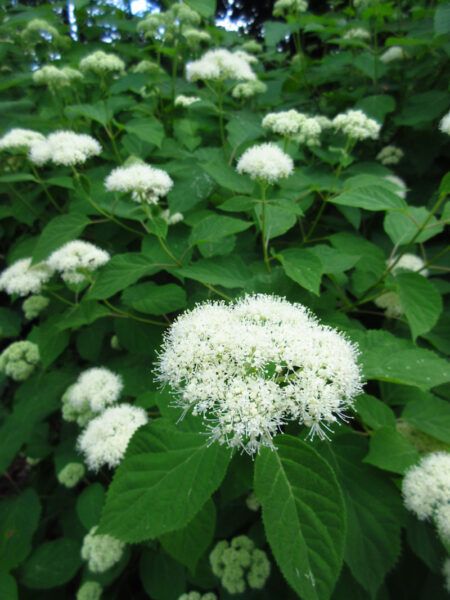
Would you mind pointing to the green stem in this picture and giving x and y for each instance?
(124, 314)
(45, 188)
(161, 241)
(265, 242)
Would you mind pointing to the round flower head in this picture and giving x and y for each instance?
(100, 62)
(101, 552)
(56, 78)
(19, 360)
(171, 219)
(443, 522)
(356, 125)
(249, 89)
(23, 278)
(265, 162)
(185, 101)
(106, 438)
(90, 590)
(284, 7)
(219, 65)
(76, 259)
(446, 574)
(145, 183)
(94, 390)
(296, 125)
(64, 148)
(33, 306)
(195, 37)
(399, 184)
(40, 28)
(71, 474)
(390, 155)
(146, 66)
(358, 33)
(426, 486)
(251, 366)
(392, 54)
(444, 124)
(20, 139)
(408, 262)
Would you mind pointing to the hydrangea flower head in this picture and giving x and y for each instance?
(145, 183)
(76, 259)
(101, 552)
(298, 126)
(55, 77)
(23, 278)
(426, 486)
(20, 139)
(357, 125)
(251, 366)
(106, 438)
(217, 65)
(19, 360)
(266, 163)
(33, 306)
(100, 62)
(64, 148)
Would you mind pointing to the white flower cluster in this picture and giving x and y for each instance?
(266, 163)
(249, 58)
(20, 139)
(34, 305)
(23, 278)
(219, 65)
(76, 260)
(409, 262)
(390, 155)
(248, 89)
(444, 124)
(41, 28)
(392, 54)
(283, 7)
(171, 219)
(145, 183)
(106, 438)
(56, 78)
(195, 37)
(358, 33)
(94, 390)
(146, 66)
(357, 125)
(426, 491)
(298, 126)
(100, 62)
(186, 101)
(252, 366)
(64, 148)
(19, 360)
(101, 552)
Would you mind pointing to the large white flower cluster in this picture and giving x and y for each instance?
(94, 390)
(101, 552)
(392, 54)
(390, 155)
(426, 491)
(251, 366)
(55, 77)
(23, 278)
(100, 62)
(220, 64)
(266, 163)
(106, 438)
(76, 260)
(145, 183)
(298, 126)
(283, 7)
(444, 124)
(20, 139)
(64, 148)
(357, 125)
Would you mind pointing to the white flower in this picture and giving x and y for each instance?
(172, 219)
(20, 139)
(358, 33)
(443, 522)
(34, 305)
(265, 162)
(100, 62)
(408, 262)
(101, 552)
(356, 125)
(185, 101)
(54, 77)
(299, 126)
(281, 7)
(426, 486)
(249, 58)
(76, 259)
(195, 36)
(146, 66)
(251, 366)
(41, 28)
(249, 89)
(146, 183)
(19, 360)
(390, 155)
(400, 184)
(23, 278)
(444, 124)
(219, 65)
(392, 54)
(64, 148)
(446, 574)
(105, 438)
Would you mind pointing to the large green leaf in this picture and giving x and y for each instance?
(162, 577)
(52, 564)
(374, 413)
(165, 479)
(57, 232)
(304, 515)
(304, 267)
(430, 415)
(370, 193)
(390, 451)
(206, 8)
(215, 227)
(420, 300)
(228, 178)
(403, 224)
(89, 505)
(227, 271)
(155, 299)
(148, 129)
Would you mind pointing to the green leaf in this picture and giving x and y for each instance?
(378, 106)
(374, 413)
(187, 545)
(228, 178)
(275, 31)
(430, 415)
(120, 272)
(442, 19)
(19, 518)
(162, 577)
(422, 108)
(303, 514)
(207, 8)
(368, 192)
(229, 272)
(51, 340)
(148, 129)
(420, 300)
(52, 564)
(89, 505)
(84, 313)
(57, 232)
(303, 267)
(155, 299)
(215, 227)
(171, 471)
(243, 127)
(390, 451)
(374, 507)
(10, 323)
(98, 112)
(402, 225)
(8, 587)
(17, 178)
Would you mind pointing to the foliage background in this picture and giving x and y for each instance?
(335, 266)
